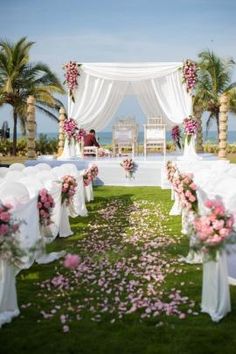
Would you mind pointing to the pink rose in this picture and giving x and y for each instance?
(224, 232)
(5, 216)
(71, 261)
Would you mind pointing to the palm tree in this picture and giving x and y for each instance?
(19, 78)
(214, 79)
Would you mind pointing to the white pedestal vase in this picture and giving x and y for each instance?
(215, 288)
(78, 149)
(8, 297)
(64, 227)
(189, 153)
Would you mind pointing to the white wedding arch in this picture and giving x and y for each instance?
(102, 87)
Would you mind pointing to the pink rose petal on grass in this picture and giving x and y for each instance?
(71, 261)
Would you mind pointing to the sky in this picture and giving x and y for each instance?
(118, 30)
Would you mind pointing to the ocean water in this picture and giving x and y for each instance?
(105, 138)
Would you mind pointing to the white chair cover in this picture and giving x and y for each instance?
(14, 193)
(14, 176)
(43, 166)
(3, 171)
(8, 297)
(17, 166)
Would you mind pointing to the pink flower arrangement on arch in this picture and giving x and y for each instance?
(71, 77)
(190, 74)
(190, 127)
(214, 229)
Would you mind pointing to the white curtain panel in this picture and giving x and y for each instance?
(102, 87)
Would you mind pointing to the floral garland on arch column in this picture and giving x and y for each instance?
(190, 75)
(71, 77)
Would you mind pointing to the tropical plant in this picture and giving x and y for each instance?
(214, 79)
(20, 78)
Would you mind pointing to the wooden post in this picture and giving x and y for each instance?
(61, 137)
(198, 116)
(223, 126)
(31, 128)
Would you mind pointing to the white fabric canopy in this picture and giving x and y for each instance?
(102, 87)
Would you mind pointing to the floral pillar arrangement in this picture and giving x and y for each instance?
(31, 128)
(223, 126)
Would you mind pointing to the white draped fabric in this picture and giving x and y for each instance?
(102, 87)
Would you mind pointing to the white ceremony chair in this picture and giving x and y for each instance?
(43, 166)
(3, 171)
(125, 136)
(14, 193)
(155, 120)
(89, 151)
(17, 166)
(154, 137)
(14, 176)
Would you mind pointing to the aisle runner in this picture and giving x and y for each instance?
(123, 269)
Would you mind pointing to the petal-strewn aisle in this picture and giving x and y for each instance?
(130, 293)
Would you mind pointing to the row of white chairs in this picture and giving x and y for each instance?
(20, 186)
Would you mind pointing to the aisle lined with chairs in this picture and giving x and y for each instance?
(205, 197)
(38, 202)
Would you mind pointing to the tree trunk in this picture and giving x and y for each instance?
(14, 132)
(218, 123)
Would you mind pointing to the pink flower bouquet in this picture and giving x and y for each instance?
(190, 127)
(176, 136)
(70, 129)
(213, 230)
(10, 249)
(129, 166)
(80, 134)
(45, 206)
(93, 171)
(71, 77)
(190, 75)
(87, 178)
(171, 171)
(68, 189)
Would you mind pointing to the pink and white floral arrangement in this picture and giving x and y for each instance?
(70, 128)
(129, 166)
(68, 190)
(72, 131)
(90, 175)
(45, 206)
(188, 193)
(190, 127)
(71, 77)
(80, 134)
(176, 136)
(213, 230)
(10, 250)
(190, 75)
(171, 170)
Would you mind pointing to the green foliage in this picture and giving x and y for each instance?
(44, 146)
(19, 78)
(214, 79)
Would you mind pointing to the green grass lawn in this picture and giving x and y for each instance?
(127, 235)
